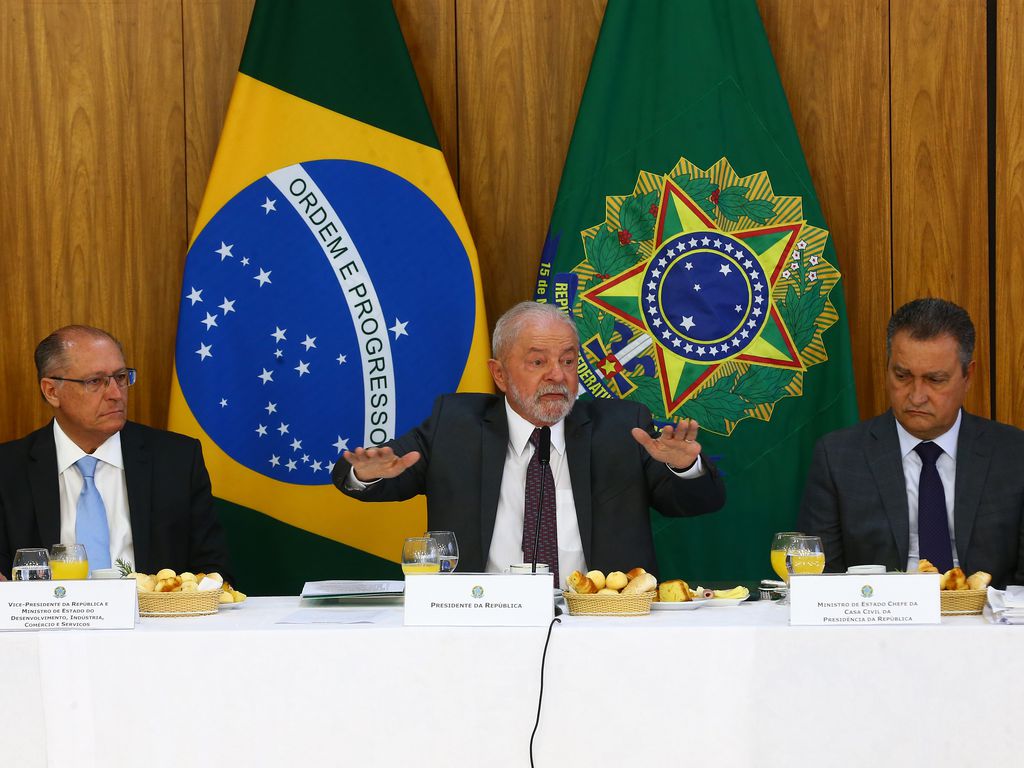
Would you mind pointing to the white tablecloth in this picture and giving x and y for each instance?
(711, 687)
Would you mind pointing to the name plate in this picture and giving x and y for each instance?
(479, 600)
(72, 604)
(852, 600)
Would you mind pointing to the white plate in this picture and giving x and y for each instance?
(231, 605)
(689, 605)
(723, 602)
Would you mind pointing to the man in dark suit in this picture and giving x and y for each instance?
(925, 479)
(156, 506)
(471, 458)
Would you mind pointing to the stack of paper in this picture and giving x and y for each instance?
(352, 590)
(1006, 607)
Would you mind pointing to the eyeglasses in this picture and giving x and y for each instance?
(123, 379)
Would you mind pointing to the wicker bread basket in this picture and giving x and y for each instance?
(962, 602)
(179, 603)
(609, 605)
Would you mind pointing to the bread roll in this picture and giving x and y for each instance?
(978, 580)
(955, 579)
(616, 580)
(597, 577)
(166, 573)
(227, 597)
(925, 566)
(581, 584)
(632, 574)
(645, 582)
(606, 591)
(674, 591)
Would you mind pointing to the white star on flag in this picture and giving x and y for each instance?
(261, 430)
(296, 444)
(278, 354)
(245, 261)
(210, 321)
(687, 322)
(309, 342)
(283, 429)
(204, 351)
(279, 334)
(225, 250)
(195, 295)
(266, 376)
(316, 466)
(302, 368)
(227, 306)
(291, 464)
(275, 461)
(223, 402)
(271, 408)
(399, 328)
(263, 277)
(725, 269)
(268, 205)
(341, 445)
(342, 359)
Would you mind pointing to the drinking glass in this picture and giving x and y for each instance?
(420, 555)
(448, 549)
(780, 543)
(69, 561)
(31, 565)
(805, 555)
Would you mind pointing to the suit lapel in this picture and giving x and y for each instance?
(42, 477)
(883, 453)
(578, 430)
(972, 460)
(493, 446)
(138, 471)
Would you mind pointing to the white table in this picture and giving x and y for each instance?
(711, 687)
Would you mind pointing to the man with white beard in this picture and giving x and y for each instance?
(478, 460)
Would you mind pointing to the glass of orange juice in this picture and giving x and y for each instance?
(805, 555)
(420, 554)
(780, 543)
(69, 561)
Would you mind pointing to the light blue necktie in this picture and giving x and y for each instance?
(91, 517)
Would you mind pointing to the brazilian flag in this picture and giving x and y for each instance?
(331, 291)
(688, 243)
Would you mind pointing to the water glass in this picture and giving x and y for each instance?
(31, 564)
(448, 549)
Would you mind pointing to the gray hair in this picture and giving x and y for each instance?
(926, 319)
(509, 325)
(52, 352)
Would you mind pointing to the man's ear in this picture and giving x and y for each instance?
(497, 373)
(49, 389)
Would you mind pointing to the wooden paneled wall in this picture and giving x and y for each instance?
(111, 112)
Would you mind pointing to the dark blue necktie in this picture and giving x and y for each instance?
(932, 523)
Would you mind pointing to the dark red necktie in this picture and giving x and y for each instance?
(932, 523)
(547, 548)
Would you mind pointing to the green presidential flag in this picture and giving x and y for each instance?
(688, 243)
(331, 291)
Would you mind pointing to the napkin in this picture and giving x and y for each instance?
(1005, 607)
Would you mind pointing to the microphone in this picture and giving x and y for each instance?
(544, 457)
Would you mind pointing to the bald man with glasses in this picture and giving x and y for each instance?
(92, 477)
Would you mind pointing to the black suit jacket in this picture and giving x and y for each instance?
(614, 480)
(856, 498)
(169, 500)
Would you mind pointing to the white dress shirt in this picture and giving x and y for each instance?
(946, 465)
(110, 483)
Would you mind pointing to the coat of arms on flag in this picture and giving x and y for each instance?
(702, 295)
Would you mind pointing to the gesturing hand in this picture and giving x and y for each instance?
(377, 463)
(677, 447)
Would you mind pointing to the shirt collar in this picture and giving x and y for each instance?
(68, 451)
(946, 441)
(519, 431)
